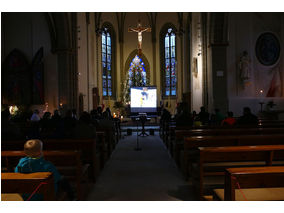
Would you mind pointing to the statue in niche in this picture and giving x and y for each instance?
(244, 68)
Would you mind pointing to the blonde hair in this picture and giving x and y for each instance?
(33, 148)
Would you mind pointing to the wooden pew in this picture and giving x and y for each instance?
(87, 147)
(27, 183)
(191, 143)
(68, 163)
(232, 156)
(102, 147)
(176, 142)
(240, 181)
(110, 139)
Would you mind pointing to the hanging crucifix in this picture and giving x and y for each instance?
(139, 29)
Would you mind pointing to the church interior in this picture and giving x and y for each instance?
(142, 106)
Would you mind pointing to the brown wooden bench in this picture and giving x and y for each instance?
(110, 139)
(87, 147)
(176, 144)
(68, 163)
(102, 147)
(213, 160)
(192, 143)
(27, 183)
(249, 183)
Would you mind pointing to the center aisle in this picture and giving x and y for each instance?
(146, 175)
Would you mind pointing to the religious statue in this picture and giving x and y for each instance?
(244, 67)
(139, 30)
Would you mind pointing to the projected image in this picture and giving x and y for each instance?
(143, 99)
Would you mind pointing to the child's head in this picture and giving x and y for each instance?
(33, 148)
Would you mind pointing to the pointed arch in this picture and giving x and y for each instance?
(130, 58)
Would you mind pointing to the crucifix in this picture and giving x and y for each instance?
(139, 30)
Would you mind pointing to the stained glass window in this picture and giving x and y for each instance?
(106, 62)
(170, 63)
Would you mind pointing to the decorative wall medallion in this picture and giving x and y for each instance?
(267, 49)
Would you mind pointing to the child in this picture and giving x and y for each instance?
(34, 162)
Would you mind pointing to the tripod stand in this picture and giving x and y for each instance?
(143, 119)
(137, 142)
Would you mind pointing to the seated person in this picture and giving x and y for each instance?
(247, 118)
(217, 118)
(34, 162)
(84, 127)
(230, 120)
(106, 122)
(203, 116)
(183, 117)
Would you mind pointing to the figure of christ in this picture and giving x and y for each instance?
(139, 30)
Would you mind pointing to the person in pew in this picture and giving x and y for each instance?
(74, 114)
(46, 127)
(84, 127)
(229, 120)
(68, 124)
(217, 118)
(203, 116)
(106, 122)
(35, 162)
(109, 113)
(183, 117)
(58, 124)
(9, 130)
(247, 118)
(100, 112)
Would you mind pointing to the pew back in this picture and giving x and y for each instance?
(27, 183)
(234, 154)
(237, 179)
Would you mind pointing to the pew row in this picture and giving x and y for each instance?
(185, 151)
(68, 163)
(176, 142)
(27, 183)
(213, 161)
(87, 147)
(252, 184)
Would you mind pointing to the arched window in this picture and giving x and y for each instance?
(107, 64)
(169, 62)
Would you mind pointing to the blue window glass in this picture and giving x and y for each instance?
(173, 51)
(109, 50)
(106, 62)
(167, 41)
(167, 91)
(108, 58)
(103, 38)
(108, 39)
(170, 63)
(173, 40)
(167, 52)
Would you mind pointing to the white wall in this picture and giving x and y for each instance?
(197, 82)
(244, 29)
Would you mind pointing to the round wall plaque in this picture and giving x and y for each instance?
(267, 49)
